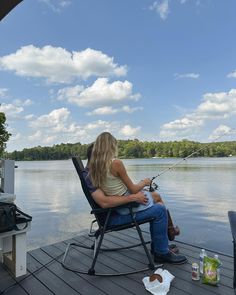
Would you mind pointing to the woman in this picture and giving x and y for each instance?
(109, 173)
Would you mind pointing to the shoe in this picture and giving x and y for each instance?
(172, 232)
(172, 247)
(170, 257)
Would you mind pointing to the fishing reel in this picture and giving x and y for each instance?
(153, 186)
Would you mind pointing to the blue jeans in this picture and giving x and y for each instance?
(158, 227)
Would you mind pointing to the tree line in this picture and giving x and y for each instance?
(129, 149)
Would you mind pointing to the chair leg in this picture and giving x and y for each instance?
(151, 263)
(91, 271)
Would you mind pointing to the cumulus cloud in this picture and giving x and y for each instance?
(129, 131)
(161, 7)
(214, 106)
(57, 126)
(220, 131)
(187, 76)
(100, 93)
(103, 111)
(219, 105)
(11, 111)
(57, 65)
(180, 128)
(55, 119)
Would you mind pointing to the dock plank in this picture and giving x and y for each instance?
(47, 276)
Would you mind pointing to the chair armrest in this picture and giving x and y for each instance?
(104, 210)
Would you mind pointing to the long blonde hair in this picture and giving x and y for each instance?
(104, 150)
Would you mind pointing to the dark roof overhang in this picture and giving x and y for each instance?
(6, 6)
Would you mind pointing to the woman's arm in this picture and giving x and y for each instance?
(118, 169)
(113, 201)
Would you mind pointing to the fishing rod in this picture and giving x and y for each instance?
(153, 186)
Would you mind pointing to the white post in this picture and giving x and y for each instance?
(20, 254)
(8, 175)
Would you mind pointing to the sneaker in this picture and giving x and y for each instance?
(170, 257)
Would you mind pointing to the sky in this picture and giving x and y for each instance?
(152, 70)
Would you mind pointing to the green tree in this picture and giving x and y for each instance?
(4, 134)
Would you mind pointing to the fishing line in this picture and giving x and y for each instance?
(185, 158)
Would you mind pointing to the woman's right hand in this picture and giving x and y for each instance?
(140, 198)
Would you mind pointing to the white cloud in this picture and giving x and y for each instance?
(15, 137)
(38, 135)
(220, 131)
(26, 102)
(56, 5)
(129, 131)
(214, 107)
(57, 127)
(42, 138)
(128, 109)
(219, 105)
(3, 92)
(108, 110)
(57, 65)
(232, 75)
(29, 117)
(99, 94)
(103, 111)
(161, 7)
(187, 76)
(182, 124)
(55, 119)
(11, 111)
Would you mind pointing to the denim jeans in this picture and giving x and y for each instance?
(158, 227)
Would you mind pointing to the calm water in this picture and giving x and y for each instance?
(198, 193)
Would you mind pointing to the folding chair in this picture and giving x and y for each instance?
(232, 221)
(102, 217)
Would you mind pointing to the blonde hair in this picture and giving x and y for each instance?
(104, 150)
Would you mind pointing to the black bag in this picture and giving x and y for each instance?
(10, 216)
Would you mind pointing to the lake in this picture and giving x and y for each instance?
(198, 192)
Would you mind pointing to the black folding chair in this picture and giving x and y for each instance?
(232, 221)
(102, 217)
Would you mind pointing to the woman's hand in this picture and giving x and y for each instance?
(140, 198)
(145, 182)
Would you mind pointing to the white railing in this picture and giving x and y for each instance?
(13, 246)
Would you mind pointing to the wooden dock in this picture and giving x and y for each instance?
(47, 276)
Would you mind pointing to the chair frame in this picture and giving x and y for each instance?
(232, 221)
(102, 216)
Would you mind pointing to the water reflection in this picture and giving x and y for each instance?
(198, 192)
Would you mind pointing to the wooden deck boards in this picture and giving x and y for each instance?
(47, 276)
